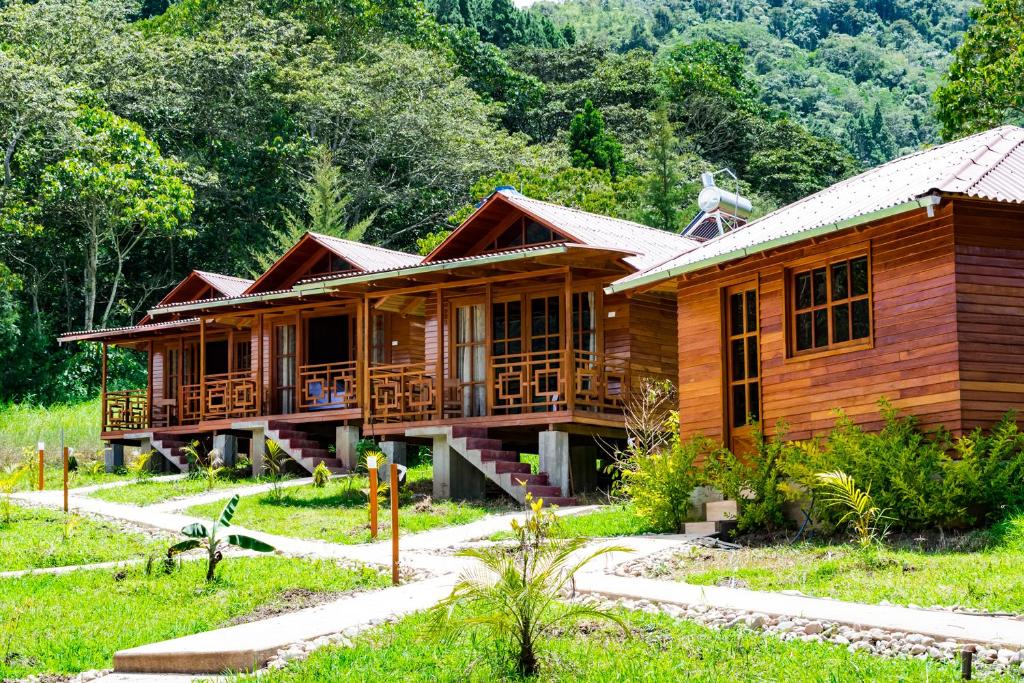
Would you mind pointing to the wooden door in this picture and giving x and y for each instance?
(470, 355)
(545, 374)
(285, 362)
(742, 367)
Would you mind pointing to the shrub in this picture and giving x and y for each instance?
(856, 505)
(321, 475)
(989, 472)
(661, 483)
(753, 480)
(214, 539)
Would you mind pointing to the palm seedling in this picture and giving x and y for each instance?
(275, 459)
(321, 475)
(214, 539)
(210, 474)
(861, 513)
(139, 466)
(519, 594)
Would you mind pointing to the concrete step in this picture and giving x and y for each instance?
(491, 454)
(469, 432)
(543, 491)
(721, 511)
(560, 502)
(300, 443)
(708, 528)
(278, 425)
(538, 479)
(481, 444)
(502, 466)
(305, 453)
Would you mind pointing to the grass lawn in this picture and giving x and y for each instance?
(660, 649)
(76, 621)
(338, 513)
(989, 578)
(53, 479)
(148, 492)
(613, 520)
(36, 538)
(22, 426)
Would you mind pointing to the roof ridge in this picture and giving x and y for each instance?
(973, 159)
(360, 244)
(230, 277)
(603, 216)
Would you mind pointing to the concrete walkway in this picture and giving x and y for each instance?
(223, 494)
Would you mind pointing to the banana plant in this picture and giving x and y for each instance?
(214, 538)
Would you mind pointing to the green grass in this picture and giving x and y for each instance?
(148, 492)
(338, 513)
(613, 520)
(36, 538)
(22, 426)
(74, 622)
(989, 578)
(659, 649)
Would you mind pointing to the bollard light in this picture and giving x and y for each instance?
(371, 462)
(371, 465)
(40, 446)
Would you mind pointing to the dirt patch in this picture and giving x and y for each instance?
(291, 600)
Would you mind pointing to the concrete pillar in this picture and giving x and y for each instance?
(113, 457)
(345, 440)
(257, 450)
(227, 444)
(453, 476)
(583, 468)
(395, 450)
(553, 448)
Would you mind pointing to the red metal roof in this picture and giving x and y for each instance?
(84, 335)
(366, 257)
(228, 285)
(987, 165)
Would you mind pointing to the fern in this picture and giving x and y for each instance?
(861, 513)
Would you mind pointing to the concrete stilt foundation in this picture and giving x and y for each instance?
(553, 448)
(395, 450)
(345, 440)
(113, 457)
(227, 444)
(257, 450)
(453, 476)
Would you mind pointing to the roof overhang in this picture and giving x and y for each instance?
(125, 333)
(656, 275)
(224, 303)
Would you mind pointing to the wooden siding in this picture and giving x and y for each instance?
(912, 359)
(990, 309)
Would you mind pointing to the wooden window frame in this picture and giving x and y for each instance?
(814, 263)
(728, 383)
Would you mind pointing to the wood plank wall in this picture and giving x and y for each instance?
(990, 309)
(913, 360)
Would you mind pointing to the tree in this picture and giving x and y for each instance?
(664, 189)
(985, 83)
(117, 191)
(325, 200)
(590, 145)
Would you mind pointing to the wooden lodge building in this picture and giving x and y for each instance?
(526, 329)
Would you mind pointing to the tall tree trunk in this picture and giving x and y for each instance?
(92, 256)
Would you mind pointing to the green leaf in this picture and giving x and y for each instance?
(228, 512)
(182, 547)
(196, 530)
(250, 543)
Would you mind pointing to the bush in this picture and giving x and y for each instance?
(989, 472)
(661, 483)
(753, 480)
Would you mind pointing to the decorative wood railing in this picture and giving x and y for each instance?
(125, 410)
(402, 393)
(191, 404)
(328, 386)
(529, 382)
(602, 382)
(230, 394)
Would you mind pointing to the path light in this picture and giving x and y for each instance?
(394, 522)
(371, 466)
(42, 451)
(67, 452)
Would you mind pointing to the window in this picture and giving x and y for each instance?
(831, 305)
(524, 231)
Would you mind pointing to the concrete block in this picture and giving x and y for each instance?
(453, 476)
(700, 496)
(345, 440)
(113, 457)
(721, 511)
(553, 448)
(227, 444)
(258, 450)
(708, 528)
(395, 451)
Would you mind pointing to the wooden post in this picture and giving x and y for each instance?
(42, 453)
(440, 355)
(570, 356)
(103, 390)
(149, 384)
(66, 479)
(488, 350)
(363, 388)
(259, 365)
(394, 524)
(202, 368)
(373, 498)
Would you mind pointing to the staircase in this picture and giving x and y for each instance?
(504, 467)
(170, 446)
(719, 518)
(302, 447)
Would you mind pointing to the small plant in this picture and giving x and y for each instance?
(71, 524)
(193, 457)
(213, 539)
(321, 475)
(210, 474)
(861, 513)
(364, 448)
(94, 467)
(518, 597)
(9, 483)
(275, 458)
(139, 466)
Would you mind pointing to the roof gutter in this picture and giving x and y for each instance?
(234, 301)
(327, 286)
(928, 202)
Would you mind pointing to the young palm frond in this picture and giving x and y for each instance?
(519, 594)
(213, 539)
(861, 512)
(274, 460)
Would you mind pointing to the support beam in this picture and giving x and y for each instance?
(227, 444)
(113, 455)
(258, 450)
(395, 450)
(553, 448)
(103, 397)
(345, 440)
(453, 476)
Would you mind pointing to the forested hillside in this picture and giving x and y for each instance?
(144, 139)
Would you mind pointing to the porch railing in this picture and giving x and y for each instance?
(126, 410)
(602, 382)
(402, 393)
(529, 382)
(328, 386)
(230, 394)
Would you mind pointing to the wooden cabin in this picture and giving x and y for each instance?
(502, 341)
(904, 282)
